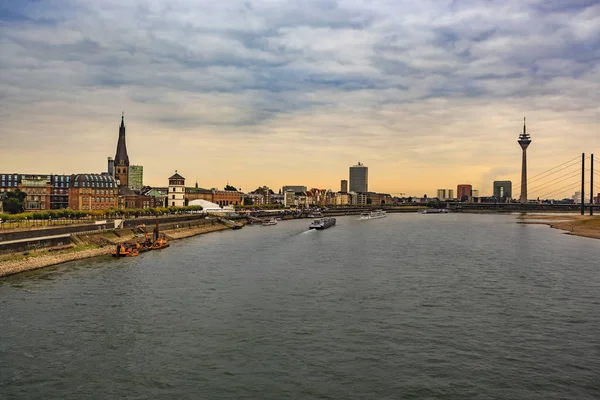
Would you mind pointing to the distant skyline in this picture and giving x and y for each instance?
(427, 94)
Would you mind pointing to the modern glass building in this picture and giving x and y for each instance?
(502, 189)
(136, 177)
(359, 178)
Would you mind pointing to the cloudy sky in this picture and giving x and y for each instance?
(427, 94)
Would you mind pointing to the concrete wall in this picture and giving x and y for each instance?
(35, 233)
(33, 245)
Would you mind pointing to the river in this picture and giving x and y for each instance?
(406, 307)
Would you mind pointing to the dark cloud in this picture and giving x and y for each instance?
(292, 70)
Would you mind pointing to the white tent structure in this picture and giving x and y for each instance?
(207, 206)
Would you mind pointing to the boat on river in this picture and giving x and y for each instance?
(435, 211)
(322, 223)
(269, 222)
(124, 250)
(373, 214)
(157, 242)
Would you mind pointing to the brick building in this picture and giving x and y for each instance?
(464, 192)
(44, 191)
(89, 192)
(226, 197)
(130, 199)
(197, 193)
(220, 197)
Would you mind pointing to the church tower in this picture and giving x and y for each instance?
(121, 162)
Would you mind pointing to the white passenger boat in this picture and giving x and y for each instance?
(322, 223)
(373, 214)
(269, 222)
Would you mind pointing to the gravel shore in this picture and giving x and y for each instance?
(578, 225)
(40, 261)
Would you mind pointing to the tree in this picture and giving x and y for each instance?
(14, 201)
(247, 201)
(229, 187)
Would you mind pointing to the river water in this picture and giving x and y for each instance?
(406, 307)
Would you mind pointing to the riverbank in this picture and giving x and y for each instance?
(11, 264)
(579, 225)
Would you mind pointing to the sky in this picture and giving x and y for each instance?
(426, 94)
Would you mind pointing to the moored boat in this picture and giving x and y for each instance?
(322, 223)
(157, 242)
(269, 222)
(123, 250)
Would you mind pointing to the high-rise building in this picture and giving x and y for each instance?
(503, 189)
(111, 167)
(121, 163)
(524, 141)
(464, 192)
(445, 194)
(136, 177)
(359, 178)
(176, 194)
(344, 186)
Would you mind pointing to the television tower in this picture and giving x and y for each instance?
(524, 141)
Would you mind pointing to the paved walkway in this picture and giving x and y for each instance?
(35, 239)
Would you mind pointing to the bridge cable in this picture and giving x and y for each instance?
(571, 174)
(571, 186)
(546, 173)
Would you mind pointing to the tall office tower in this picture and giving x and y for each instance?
(359, 178)
(136, 177)
(502, 189)
(464, 192)
(524, 141)
(111, 167)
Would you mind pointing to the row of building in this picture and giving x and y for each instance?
(502, 191)
(122, 186)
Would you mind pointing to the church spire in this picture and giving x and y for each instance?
(121, 158)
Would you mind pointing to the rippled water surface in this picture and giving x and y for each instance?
(406, 307)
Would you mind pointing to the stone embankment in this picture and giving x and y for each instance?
(97, 244)
(182, 233)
